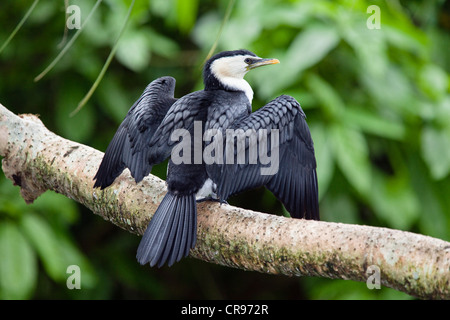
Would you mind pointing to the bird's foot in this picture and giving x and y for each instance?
(211, 199)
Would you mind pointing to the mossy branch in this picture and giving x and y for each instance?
(38, 160)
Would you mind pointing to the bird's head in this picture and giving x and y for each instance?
(226, 70)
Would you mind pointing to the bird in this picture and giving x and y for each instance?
(146, 137)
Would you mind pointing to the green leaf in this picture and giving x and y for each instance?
(114, 100)
(311, 46)
(162, 45)
(57, 208)
(306, 50)
(324, 156)
(71, 255)
(369, 46)
(394, 92)
(372, 123)
(79, 127)
(339, 208)
(436, 151)
(134, 50)
(406, 39)
(294, 14)
(321, 289)
(394, 200)
(18, 268)
(106, 64)
(434, 220)
(434, 81)
(351, 153)
(46, 243)
(240, 21)
(13, 33)
(186, 14)
(67, 46)
(328, 98)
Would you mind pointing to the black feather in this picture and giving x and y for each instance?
(295, 181)
(171, 232)
(128, 148)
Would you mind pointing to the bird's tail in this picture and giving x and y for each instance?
(171, 233)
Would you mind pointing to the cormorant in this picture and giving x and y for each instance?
(147, 137)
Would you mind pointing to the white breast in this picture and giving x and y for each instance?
(207, 191)
(239, 85)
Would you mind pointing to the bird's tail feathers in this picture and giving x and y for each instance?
(171, 233)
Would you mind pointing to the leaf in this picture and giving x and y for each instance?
(306, 50)
(324, 156)
(328, 97)
(369, 46)
(338, 289)
(434, 81)
(71, 255)
(432, 197)
(394, 90)
(219, 34)
(394, 200)
(406, 38)
(74, 128)
(67, 46)
(13, 33)
(370, 122)
(291, 14)
(46, 244)
(134, 50)
(106, 65)
(351, 153)
(435, 147)
(57, 208)
(162, 45)
(18, 268)
(186, 14)
(339, 208)
(114, 100)
(311, 46)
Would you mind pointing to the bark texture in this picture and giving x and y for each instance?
(38, 160)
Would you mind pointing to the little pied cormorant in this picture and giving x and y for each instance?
(144, 139)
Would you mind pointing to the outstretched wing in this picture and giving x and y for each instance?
(128, 148)
(295, 183)
(282, 158)
(186, 115)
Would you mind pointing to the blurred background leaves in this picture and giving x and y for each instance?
(377, 102)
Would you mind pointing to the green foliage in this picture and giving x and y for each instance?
(18, 266)
(377, 102)
(36, 238)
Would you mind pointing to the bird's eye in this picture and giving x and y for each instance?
(248, 60)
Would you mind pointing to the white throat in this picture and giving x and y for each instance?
(238, 85)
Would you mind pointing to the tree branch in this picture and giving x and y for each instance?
(38, 160)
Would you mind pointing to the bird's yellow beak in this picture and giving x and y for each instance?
(262, 62)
